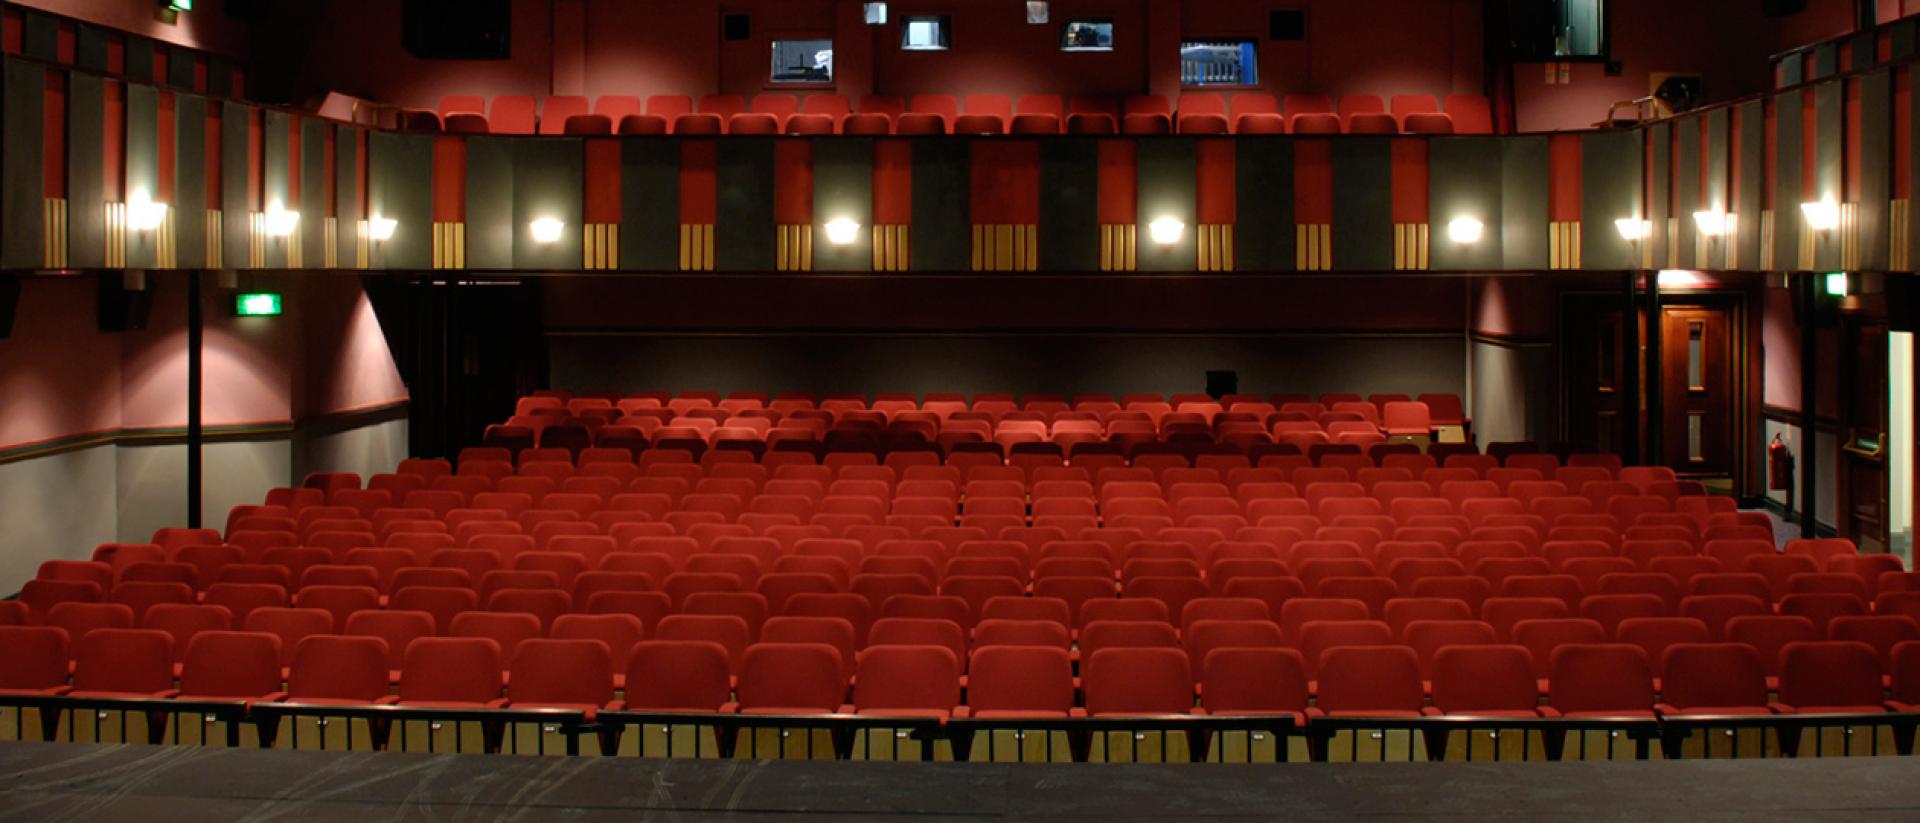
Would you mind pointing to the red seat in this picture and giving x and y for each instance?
(124, 663)
(556, 111)
(907, 681)
(1713, 678)
(1485, 681)
(1020, 682)
(1371, 123)
(811, 124)
(699, 124)
(753, 123)
(1428, 123)
(791, 678)
(1147, 114)
(511, 114)
(1315, 123)
(615, 106)
(701, 681)
(1135, 681)
(1369, 681)
(1601, 680)
(642, 124)
(561, 674)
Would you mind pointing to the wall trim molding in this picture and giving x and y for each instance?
(266, 430)
(1407, 334)
(1791, 417)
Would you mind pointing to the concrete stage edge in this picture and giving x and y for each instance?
(63, 781)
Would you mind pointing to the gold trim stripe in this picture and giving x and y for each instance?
(890, 248)
(1849, 236)
(116, 233)
(363, 244)
(1563, 244)
(1313, 247)
(1119, 250)
(794, 247)
(1767, 251)
(1410, 246)
(1731, 239)
(1808, 238)
(696, 247)
(330, 242)
(54, 232)
(600, 246)
(1216, 247)
(1006, 247)
(1900, 250)
(450, 245)
(296, 258)
(216, 239)
(165, 250)
(1673, 242)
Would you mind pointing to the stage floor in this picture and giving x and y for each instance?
(80, 782)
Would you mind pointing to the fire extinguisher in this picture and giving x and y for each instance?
(1779, 465)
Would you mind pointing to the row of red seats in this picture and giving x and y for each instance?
(822, 114)
(1444, 408)
(1374, 684)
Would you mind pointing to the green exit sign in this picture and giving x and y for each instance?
(180, 5)
(257, 304)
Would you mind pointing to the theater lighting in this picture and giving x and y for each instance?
(380, 229)
(281, 222)
(876, 14)
(1465, 230)
(1633, 229)
(256, 304)
(1037, 12)
(177, 5)
(1822, 215)
(1837, 284)
(142, 213)
(1677, 279)
(1711, 223)
(842, 232)
(546, 229)
(1166, 231)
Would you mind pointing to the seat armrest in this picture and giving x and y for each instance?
(1077, 712)
(962, 712)
(1549, 712)
(1781, 708)
(1432, 711)
(388, 700)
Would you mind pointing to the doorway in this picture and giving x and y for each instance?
(1863, 509)
(1698, 426)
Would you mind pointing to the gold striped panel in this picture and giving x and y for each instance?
(1563, 244)
(890, 248)
(1732, 240)
(116, 253)
(166, 254)
(1808, 237)
(1702, 246)
(1673, 242)
(1006, 247)
(216, 246)
(696, 247)
(793, 250)
(257, 241)
(1849, 236)
(330, 242)
(1313, 247)
(1216, 246)
(54, 233)
(449, 245)
(363, 244)
(1119, 249)
(1410, 246)
(1766, 239)
(1899, 233)
(601, 246)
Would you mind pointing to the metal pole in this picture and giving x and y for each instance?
(1809, 398)
(1630, 371)
(196, 433)
(1656, 378)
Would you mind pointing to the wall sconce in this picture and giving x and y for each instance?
(1465, 230)
(142, 213)
(1711, 223)
(1037, 12)
(842, 231)
(546, 229)
(281, 222)
(1166, 231)
(1822, 215)
(1836, 284)
(1633, 229)
(875, 14)
(380, 229)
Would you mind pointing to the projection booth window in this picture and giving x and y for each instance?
(803, 61)
(1087, 35)
(1219, 63)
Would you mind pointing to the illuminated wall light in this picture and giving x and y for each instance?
(1711, 223)
(380, 229)
(1822, 215)
(281, 222)
(257, 304)
(177, 5)
(876, 14)
(1837, 284)
(1633, 228)
(142, 213)
(1037, 12)
(842, 231)
(1677, 279)
(1466, 230)
(1166, 231)
(546, 229)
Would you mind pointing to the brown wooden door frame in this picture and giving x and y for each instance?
(1854, 460)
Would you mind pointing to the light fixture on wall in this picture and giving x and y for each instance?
(546, 229)
(380, 229)
(1837, 284)
(142, 213)
(1633, 229)
(876, 14)
(1465, 230)
(1712, 222)
(177, 5)
(280, 222)
(1038, 12)
(1822, 215)
(842, 231)
(1166, 231)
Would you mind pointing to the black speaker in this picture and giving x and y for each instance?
(9, 300)
(1533, 29)
(1782, 8)
(121, 308)
(736, 27)
(1222, 383)
(1903, 302)
(457, 29)
(1287, 24)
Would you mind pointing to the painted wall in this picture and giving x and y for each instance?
(1510, 360)
(208, 27)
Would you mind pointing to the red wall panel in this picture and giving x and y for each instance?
(1214, 181)
(53, 124)
(1006, 182)
(1563, 178)
(164, 148)
(1313, 181)
(603, 181)
(1902, 134)
(1119, 182)
(449, 179)
(1409, 159)
(793, 181)
(892, 182)
(114, 142)
(699, 182)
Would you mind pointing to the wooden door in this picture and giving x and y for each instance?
(1594, 361)
(1699, 425)
(1863, 430)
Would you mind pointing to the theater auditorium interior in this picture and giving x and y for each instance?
(975, 408)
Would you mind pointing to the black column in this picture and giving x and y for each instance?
(1656, 453)
(1630, 371)
(1809, 398)
(195, 429)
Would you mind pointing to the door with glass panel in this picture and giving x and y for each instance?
(1863, 432)
(1700, 426)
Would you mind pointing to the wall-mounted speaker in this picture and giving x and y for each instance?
(121, 308)
(736, 27)
(457, 29)
(9, 301)
(1287, 24)
(1782, 8)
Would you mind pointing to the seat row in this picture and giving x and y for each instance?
(1445, 408)
(823, 114)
